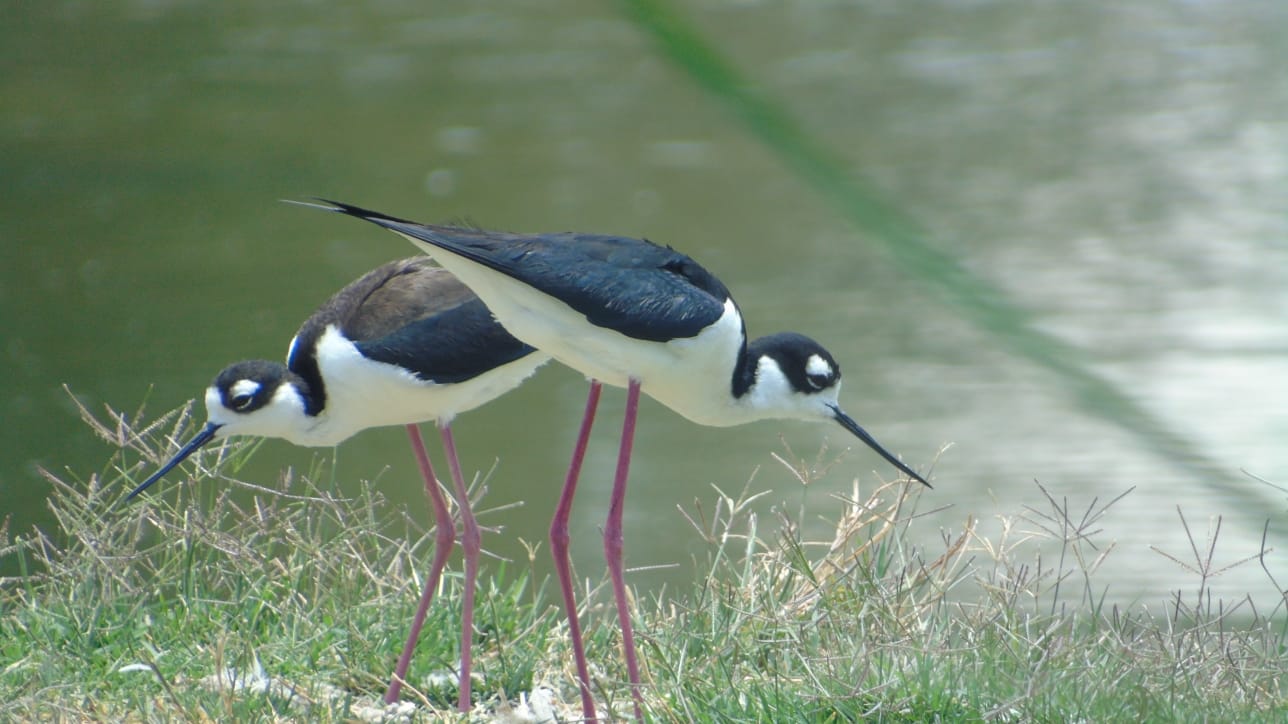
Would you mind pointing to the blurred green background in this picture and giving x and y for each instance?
(1075, 270)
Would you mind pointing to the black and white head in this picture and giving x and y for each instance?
(795, 377)
(255, 397)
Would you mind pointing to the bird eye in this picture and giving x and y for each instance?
(240, 396)
(819, 374)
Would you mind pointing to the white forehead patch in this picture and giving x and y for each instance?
(245, 387)
(214, 401)
(817, 366)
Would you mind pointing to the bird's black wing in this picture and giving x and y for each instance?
(633, 286)
(417, 316)
(454, 345)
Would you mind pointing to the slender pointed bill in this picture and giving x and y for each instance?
(848, 423)
(206, 435)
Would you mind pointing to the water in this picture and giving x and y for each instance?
(1117, 171)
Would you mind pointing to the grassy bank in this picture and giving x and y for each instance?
(191, 606)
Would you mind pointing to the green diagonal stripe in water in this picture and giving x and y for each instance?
(979, 301)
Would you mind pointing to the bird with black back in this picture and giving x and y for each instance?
(633, 314)
(406, 343)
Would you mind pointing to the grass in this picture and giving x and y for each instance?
(294, 607)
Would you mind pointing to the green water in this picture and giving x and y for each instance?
(1114, 175)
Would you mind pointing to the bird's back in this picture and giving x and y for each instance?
(405, 342)
(394, 296)
(413, 314)
(632, 286)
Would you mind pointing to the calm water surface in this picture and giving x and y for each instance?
(1119, 172)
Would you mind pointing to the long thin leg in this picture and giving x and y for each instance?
(559, 549)
(444, 535)
(471, 544)
(613, 543)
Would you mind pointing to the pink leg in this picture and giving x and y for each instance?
(559, 549)
(471, 544)
(613, 543)
(444, 535)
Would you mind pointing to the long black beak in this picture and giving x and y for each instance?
(206, 435)
(848, 423)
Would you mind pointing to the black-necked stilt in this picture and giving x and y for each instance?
(403, 344)
(637, 315)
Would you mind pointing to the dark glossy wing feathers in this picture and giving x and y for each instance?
(453, 346)
(670, 295)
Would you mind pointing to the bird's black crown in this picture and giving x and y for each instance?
(807, 365)
(266, 376)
